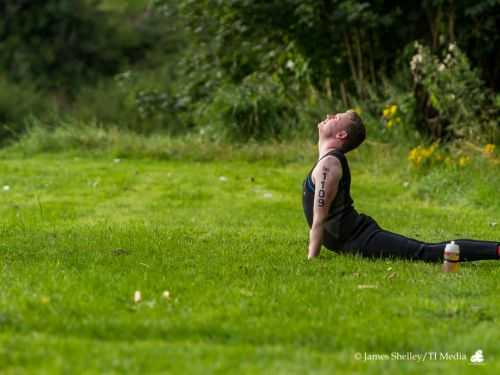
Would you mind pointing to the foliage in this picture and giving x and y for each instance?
(258, 109)
(19, 103)
(61, 45)
(55, 43)
(461, 102)
(163, 65)
(140, 101)
(343, 41)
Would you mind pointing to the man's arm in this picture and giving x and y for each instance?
(326, 177)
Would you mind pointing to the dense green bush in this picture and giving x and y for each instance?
(347, 43)
(17, 104)
(105, 103)
(456, 102)
(258, 108)
(139, 101)
(56, 44)
(61, 45)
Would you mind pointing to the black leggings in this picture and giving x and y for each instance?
(374, 242)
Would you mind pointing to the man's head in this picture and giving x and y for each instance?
(343, 130)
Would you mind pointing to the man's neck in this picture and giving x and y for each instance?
(325, 148)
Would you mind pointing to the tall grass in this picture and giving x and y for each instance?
(93, 139)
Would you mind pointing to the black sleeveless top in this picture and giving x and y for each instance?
(343, 220)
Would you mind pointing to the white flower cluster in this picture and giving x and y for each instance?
(417, 62)
(423, 63)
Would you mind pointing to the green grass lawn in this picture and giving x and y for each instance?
(228, 240)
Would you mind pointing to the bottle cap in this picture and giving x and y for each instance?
(452, 247)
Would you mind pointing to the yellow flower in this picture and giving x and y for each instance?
(489, 149)
(390, 111)
(412, 154)
(427, 152)
(420, 154)
(463, 161)
(415, 156)
(393, 108)
(393, 121)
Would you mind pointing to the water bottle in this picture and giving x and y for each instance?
(451, 257)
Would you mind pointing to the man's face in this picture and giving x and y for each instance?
(333, 124)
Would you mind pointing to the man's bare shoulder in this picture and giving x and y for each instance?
(330, 165)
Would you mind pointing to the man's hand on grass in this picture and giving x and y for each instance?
(312, 253)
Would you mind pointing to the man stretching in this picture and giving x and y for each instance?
(335, 223)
